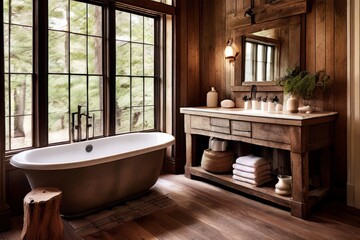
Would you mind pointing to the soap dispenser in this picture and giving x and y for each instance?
(212, 98)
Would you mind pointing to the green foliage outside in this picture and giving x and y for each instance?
(75, 68)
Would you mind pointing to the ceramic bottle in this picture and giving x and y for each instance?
(212, 98)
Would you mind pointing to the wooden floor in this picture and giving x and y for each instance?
(205, 211)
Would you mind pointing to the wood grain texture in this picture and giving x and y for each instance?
(42, 215)
(324, 46)
(205, 211)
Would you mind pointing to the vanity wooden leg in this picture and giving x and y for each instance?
(300, 184)
(190, 153)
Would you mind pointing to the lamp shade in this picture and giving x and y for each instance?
(231, 50)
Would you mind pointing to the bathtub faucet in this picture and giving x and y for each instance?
(79, 125)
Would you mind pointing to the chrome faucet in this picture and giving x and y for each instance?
(78, 126)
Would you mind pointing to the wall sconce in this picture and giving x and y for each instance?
(231, 50)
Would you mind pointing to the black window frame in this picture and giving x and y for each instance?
(41, 71)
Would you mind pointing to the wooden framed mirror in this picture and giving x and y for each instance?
(267, 50)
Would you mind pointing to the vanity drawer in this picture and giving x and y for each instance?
(240, 128)
(271, 132)
(220, 125)
(199, 122)
(211, 124)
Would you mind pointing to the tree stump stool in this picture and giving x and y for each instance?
(42, 220)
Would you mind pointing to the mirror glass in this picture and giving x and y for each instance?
(268, 53)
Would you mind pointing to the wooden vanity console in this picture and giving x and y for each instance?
(297, 133)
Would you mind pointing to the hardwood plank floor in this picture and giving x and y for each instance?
(206, 211)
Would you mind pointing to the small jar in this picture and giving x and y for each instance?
(264, 106)
(255, 105)
(271, 106)
(283, 187)
(247, 105)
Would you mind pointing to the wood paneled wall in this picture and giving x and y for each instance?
(201, 39)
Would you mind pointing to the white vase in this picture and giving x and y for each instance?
(292, 104)
(283, 187)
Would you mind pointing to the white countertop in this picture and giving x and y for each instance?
(259, 113)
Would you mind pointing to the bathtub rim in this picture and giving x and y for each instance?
(18, 159)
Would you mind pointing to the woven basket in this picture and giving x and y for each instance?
(217, 162)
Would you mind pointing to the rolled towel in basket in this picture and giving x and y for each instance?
(252, 169)
(251, 160)
(254, 176)
(258, 182)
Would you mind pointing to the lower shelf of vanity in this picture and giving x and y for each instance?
(266, 191)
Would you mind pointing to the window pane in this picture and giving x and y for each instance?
(149, 30)
(149, 122)
(77, 17)
(122, 58)
(249, 50)
(58, 127)
(149, 91)
(77, 92)
(21, 132)
(21, 94)
(122, 26)
(58, 53)
(137, 90)
(249, 70)
(7, 134)
(21, 49)
(6, 48)
(6, 11)
(260, 73)
(261, 53)
(149, 60)
(58, 108)
(95, 55)
(57, 15)
(95, 93)
(137, 28)
(137, 64)
(123, 104)
(95, 20)
(97, 122)
(123, 120)
(77, 53)
(6, 85)
(21, 12)
(123, 92)
(137, 119)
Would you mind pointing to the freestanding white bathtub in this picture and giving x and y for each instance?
(99, 173)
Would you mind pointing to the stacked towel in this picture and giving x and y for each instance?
(252, 169)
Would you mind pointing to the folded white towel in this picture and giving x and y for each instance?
(252, 169)
(251, 160)
(251, 181)
(254, 176)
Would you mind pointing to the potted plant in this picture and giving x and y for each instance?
(300, 83)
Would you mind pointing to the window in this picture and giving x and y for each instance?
(135, 72)
(75, 68)
(18, 31)
(259, 62)
(121, 96)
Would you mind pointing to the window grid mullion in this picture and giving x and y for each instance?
(68, 70)
(143, 66)
(131, 75)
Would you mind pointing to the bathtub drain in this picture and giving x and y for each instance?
(89, 148)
